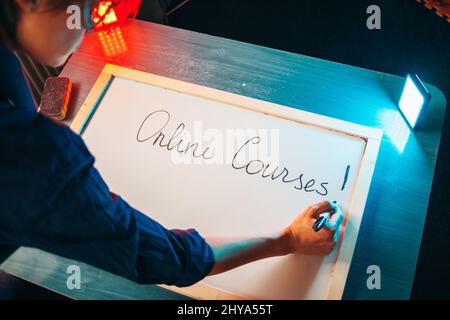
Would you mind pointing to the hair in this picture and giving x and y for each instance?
(10, 14)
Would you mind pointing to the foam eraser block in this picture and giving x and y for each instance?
(55, 97)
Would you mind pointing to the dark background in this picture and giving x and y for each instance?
(412, 39)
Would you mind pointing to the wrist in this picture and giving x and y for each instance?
(284, 242)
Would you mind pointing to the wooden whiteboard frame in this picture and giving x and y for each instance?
(371, 136)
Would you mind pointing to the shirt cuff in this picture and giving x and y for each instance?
(199, 257)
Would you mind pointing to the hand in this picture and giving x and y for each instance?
(301, 238)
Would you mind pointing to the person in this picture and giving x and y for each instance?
(53, 198)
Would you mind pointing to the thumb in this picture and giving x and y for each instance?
(335, 221)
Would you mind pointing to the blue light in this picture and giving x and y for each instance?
(413, 101)
(398, 131)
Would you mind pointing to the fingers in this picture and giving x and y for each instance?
(327, 234)
(316, 210)
(334, 222)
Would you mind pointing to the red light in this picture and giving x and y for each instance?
(104, 14)
(108, 14)
(113, 42)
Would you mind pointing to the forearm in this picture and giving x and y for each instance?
(230, 254)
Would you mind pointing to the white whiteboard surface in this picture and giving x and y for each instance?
(127, 111)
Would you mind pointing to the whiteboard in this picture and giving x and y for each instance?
(230, 166)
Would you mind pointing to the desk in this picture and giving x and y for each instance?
(394, 217)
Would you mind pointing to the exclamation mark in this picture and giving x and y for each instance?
(345, 177)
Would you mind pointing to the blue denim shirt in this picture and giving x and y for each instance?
(53, 198)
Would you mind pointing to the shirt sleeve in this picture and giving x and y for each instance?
(83, 220)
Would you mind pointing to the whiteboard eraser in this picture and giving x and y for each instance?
(55, 97)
